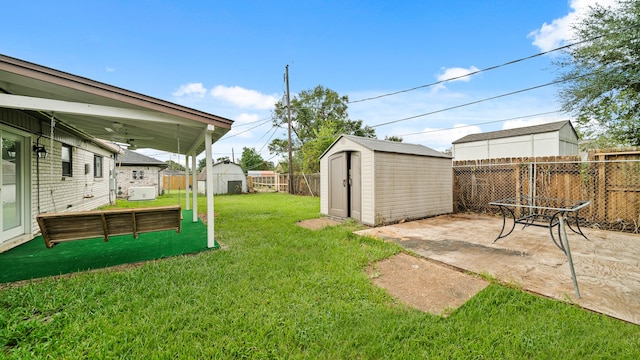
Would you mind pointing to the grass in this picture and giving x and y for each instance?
(281, 291)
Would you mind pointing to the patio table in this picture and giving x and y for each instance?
(544, 212)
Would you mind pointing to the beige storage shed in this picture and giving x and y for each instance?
(380, 182)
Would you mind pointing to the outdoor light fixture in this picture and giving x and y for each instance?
(40, 151)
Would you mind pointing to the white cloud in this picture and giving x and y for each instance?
(190, 90)
(244, 98)
(456, 73)
(453, 74)
(110, 69)
(246, 118)
(559, 31)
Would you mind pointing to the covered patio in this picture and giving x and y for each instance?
(94, 110)
(33, 260)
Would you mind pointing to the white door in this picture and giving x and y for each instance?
(338, 185)
(12, 217)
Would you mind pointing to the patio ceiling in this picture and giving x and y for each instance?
(104, 111)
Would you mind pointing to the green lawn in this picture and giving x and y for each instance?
(276, 290)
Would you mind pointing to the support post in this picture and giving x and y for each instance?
(210, 208)
(186, 182)
(194, 189)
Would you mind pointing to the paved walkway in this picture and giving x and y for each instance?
(607, 265)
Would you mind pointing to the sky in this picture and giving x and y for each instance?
(228, 58)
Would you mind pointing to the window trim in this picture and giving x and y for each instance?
(98, 159)
(70, 161)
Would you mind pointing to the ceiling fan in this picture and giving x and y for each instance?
(119, 133)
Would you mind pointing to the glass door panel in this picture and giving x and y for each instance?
(11, 186)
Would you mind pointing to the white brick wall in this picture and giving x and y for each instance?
(152, 177)
(54, 192)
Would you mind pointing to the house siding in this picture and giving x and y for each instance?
(81, 191)
(47, 189)
(152, 178)
(411, 187)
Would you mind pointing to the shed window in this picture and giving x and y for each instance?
(66, 160)
(97, 166)
(134, 175)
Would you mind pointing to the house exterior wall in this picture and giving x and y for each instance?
(78, 192)
(411, 187)
(557, 143)
(46, 190)
(222, 174)
(151, 177)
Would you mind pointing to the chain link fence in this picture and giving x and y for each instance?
(611, 181)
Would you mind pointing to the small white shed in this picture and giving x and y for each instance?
(228, 178)
(380, 182)
(551, 139)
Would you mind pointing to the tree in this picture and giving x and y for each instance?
(393, 138)
(251, 160)
(320, 111)
(172, 165)
(601, 76)
(203, 162)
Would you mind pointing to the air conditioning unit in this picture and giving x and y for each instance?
(142, 193)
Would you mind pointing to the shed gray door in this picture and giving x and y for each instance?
(355, 187)
(234, 187)
(338, 185)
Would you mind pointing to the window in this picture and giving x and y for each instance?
(134, 175)
(97, 166)
(66, 160)
(141, 174)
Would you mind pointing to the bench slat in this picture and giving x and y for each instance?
(67, 226)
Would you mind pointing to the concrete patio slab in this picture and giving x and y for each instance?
(607, 264)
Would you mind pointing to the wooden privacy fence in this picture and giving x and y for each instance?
(174, 182)
(303, 184)
(611, 181)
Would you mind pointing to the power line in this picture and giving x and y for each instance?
(252, 122)
(497, 96)
(242, 132)
(470, 103)
(489, 68)
(477, 124)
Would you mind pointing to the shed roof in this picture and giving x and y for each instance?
(133, 158)
(202, 176)
(391, 147)
(527, 130)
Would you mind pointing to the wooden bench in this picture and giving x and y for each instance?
(66, 226)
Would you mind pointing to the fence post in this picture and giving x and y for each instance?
(601, 189)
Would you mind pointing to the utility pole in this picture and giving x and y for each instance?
(289, 121)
